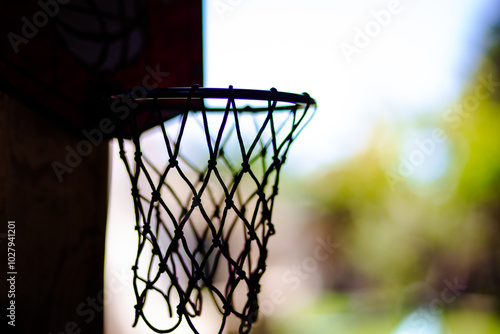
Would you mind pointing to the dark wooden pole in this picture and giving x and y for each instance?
(59, 226)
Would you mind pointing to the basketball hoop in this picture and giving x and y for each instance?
(204, 201)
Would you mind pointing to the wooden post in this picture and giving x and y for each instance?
(59, 226)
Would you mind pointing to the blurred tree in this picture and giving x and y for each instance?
(405, 220)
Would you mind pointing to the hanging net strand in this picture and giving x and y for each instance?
(203, 225)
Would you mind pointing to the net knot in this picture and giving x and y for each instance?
(227, 309)
(246, 167)
(178, 234)
(162, 267)
(216, 242)
(241, 274)
(156, 250)
(134, 268)
(276, 162)
(252, 235)
(173, 162)
(155, 196)
(261, 195)
(275, 190)
(196, 201)
(198, 274)
(181, 309)
(146, 229)
(229, 202)
(212, 163)
(135, 192)
(254, 291)
(266, 213)
(137, 156)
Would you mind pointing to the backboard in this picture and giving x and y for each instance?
(62, 56)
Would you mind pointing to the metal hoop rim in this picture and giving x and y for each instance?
(197, 92)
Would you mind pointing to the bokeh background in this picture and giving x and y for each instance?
(389, 209)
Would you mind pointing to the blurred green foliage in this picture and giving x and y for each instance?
(397, 226)
(409, 222)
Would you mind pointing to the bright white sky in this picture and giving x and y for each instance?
(417, 63)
